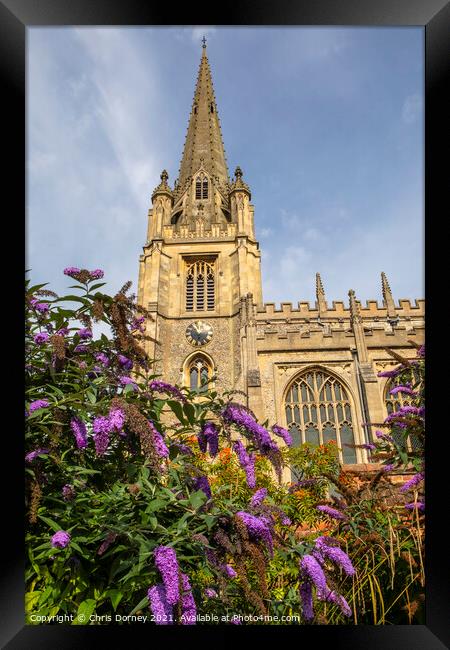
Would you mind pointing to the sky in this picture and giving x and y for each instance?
(327, 125)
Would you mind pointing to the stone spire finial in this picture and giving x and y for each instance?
(355, 312)
(204, 43)
(238, 183)
(387, 296)
(163, 187)
(320, 295)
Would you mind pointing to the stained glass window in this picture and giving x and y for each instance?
(318, 410)
(199, 373)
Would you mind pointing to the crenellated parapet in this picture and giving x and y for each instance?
(371, 309)
(199, 231)
(339, 325)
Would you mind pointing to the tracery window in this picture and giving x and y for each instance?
(199, 373)
(318, 410)
(201, 187)
(394, 403)
(200, 284)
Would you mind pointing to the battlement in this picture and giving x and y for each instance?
(371, 309)
(216, 231)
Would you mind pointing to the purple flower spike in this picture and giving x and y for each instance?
(418, 505)
(307, 601)
(34, 454)
(257, 529)
(38, 404)
(167, 564)
(79, 431)
(230, 572)
(331, 512)
(97, 274)
(125, 362)
(339, 600)
(390, 373)
(102, 358)
(282, 433)
(334, 553)
(163, 387)
(160, 446)
(246, 462)
(41, 338)
(60, 539)
(71, 271)
(210, 435)
(413, 482)
(189, 609)
(258, 497)
(403, 389)
(161, 609)
(68, 492)
(202, 483)
(311, 568)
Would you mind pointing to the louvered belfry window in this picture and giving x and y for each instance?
(201, 187)
(200, 285)
(318, 410)
(198, 189)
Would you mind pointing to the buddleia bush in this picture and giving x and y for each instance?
(144, 500)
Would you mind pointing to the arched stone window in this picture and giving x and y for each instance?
(198, 372)
(201, 187)
(394, 403)
(200, 284)
(318, 410)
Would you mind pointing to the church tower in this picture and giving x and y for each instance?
(199, 274)
(318, 370)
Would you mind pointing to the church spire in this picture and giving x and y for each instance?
(204, 144)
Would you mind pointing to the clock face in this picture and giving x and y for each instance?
(199, 333)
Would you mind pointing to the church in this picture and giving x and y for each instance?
(310, 368)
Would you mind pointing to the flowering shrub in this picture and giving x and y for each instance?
(143, 499)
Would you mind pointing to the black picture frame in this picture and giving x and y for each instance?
(15, 17)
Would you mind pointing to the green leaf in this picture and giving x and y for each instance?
(97, 286)
(84, 301)
(53, 525)
(31, 600)
(140, 605)
(209, 520)
(177, 409)
(156, 504)
(92, 396)
(84, 612)
(115, 596)
(189, 409)
(197, 499)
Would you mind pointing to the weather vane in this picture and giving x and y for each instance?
(204, 41)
